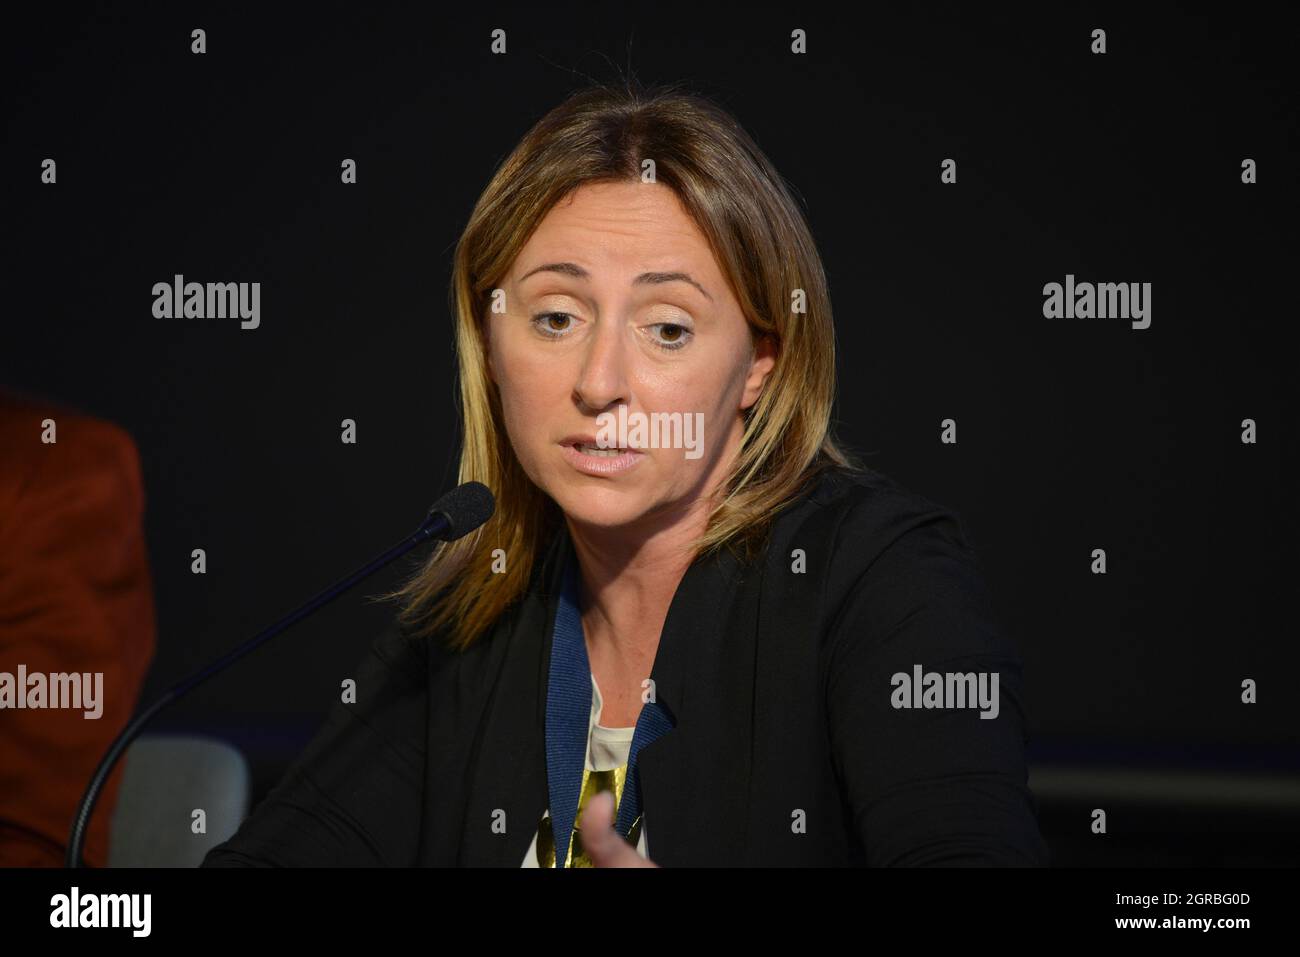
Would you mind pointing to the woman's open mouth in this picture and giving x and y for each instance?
(591, 459)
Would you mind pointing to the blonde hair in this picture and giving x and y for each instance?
(763, 246)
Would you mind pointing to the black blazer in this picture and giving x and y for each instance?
(788, 749)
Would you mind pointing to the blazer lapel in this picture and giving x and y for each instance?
(695, 779)
(508, 793)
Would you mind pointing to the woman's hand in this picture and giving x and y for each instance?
(604, 845)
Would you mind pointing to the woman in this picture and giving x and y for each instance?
(690, 600)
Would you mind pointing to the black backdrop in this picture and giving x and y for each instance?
(1072, 434)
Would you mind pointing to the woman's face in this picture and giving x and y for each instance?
(616, 300)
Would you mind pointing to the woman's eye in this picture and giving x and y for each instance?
(674, 335)
(556, 325)
(545, 323)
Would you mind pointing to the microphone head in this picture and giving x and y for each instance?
(465, 507)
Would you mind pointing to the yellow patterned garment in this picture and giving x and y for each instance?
(593, 782)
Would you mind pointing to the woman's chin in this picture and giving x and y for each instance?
(604, 508)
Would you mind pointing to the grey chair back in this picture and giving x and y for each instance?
(168, 779)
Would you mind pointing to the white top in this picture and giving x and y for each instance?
(607, 748)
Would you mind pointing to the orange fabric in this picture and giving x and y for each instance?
(76, 595)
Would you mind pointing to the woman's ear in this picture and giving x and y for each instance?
(764, 360)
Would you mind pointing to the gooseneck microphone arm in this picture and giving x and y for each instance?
(457, 513)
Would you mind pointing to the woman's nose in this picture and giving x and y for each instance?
(602, 380)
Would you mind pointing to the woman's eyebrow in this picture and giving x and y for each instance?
(577, 272)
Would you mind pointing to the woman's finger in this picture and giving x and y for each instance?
(604, 845)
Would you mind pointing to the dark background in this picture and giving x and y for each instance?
(1073, 434)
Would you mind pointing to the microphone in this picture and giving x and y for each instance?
(463, 509)
(453, 516)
